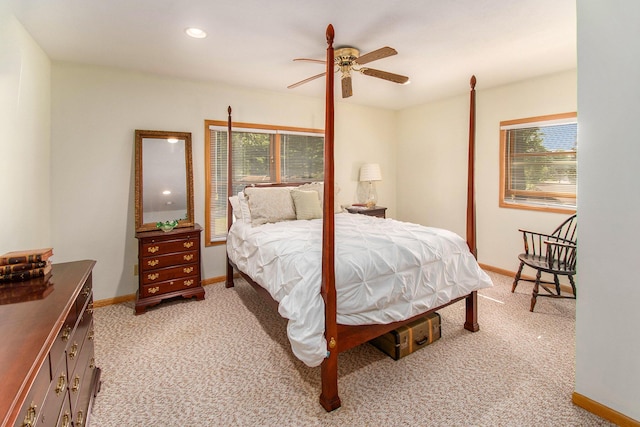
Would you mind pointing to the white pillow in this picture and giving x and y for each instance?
(307, 204)
(272, 204)
(235, 208)
(244, 208)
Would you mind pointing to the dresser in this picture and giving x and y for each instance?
(168, 266)
(378, 211)
(47, 363)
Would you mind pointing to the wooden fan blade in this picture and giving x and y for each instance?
(347, 90)
(396, 78)
(383, 52)
(301, 82)
(319, 61)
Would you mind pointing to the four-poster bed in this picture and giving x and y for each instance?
(343, 330)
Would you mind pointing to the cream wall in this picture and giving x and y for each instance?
(95, 112)
(365, 135)
(432, 149)
(607, 314)
(24, 144)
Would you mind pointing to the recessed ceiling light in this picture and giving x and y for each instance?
(196, 33)
(166, 192)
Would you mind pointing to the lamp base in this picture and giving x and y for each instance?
(372, 197)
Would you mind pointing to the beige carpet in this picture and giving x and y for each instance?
(225, 361)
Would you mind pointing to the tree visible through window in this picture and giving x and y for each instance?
(539, 163)
(261, 154)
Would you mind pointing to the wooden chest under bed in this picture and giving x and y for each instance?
(411, 337)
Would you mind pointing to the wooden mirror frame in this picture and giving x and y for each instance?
(140, 135)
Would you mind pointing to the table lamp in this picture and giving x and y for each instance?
(370, 172)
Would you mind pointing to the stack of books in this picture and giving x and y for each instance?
(25, 275)
(18, 266)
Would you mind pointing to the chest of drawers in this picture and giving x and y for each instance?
(168, 265)
(47, 361)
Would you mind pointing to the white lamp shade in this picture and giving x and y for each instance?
(370, 172)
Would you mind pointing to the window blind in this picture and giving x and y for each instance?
(541, 163)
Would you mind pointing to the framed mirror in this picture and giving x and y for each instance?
(164, 179)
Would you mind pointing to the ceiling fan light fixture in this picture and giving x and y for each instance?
(345, 56)
(196, 33)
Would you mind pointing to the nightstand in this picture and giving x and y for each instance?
(378, 211)
(169, 264)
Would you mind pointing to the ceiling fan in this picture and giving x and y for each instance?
(348, 59)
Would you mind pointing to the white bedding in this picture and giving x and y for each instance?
(386, 271)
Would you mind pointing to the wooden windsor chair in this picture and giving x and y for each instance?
(553, 253)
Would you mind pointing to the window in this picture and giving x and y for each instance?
(538, 164)
(261, 153)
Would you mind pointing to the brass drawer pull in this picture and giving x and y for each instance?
(187, 244)
(66, 419)
(153, 249)
(91, 334)
(62, 383)
(153, 290)
(30, 418)
(92, 363)
(86, 291)
(187, 269)
(74, 351)
(188, 282)
(153, 262)
(79, 419)
(76, 384)
(153, 276)
(66, 333)
(188, 257)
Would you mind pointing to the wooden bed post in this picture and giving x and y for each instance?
(329, 370)
(229, 282)
(471, 321)
(471, 203)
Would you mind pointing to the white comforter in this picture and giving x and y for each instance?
(386, 271)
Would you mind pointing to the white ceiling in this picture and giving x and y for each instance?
(251, 43)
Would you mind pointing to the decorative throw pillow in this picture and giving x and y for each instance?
(314, 186)
(319, 187)
(307, 204)
(272, 204)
